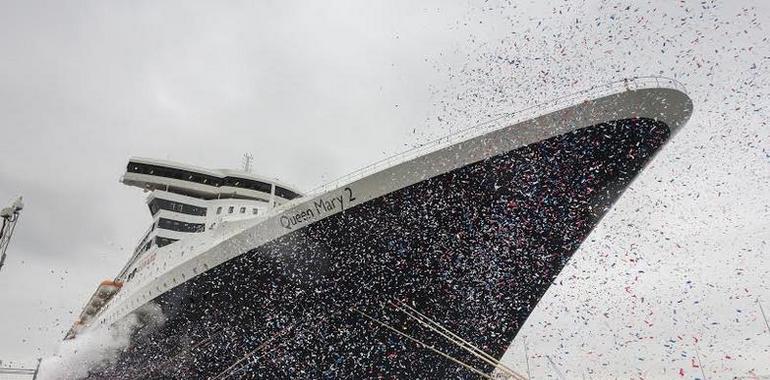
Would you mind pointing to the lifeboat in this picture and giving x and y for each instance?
(103, 294)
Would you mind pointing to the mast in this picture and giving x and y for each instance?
(247, 159)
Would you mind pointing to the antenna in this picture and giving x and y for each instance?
(700, 364)
(247, 159)
(763, 315)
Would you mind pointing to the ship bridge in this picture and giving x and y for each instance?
(151, 174)
(185, 200)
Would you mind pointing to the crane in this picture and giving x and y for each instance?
(10, 216)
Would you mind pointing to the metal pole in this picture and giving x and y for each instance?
(763, 315)
(9, 224)
(700, 364)
(526, 358)
(37, 369)
(2, 251)
(556, 369)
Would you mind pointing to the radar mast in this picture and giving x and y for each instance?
(247, 159)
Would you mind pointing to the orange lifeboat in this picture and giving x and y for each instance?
(103, 294)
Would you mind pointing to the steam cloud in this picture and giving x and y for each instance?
(99, 346)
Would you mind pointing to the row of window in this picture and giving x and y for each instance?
(285, 193)
(165, 204)
(144, 247)
(231, 210)
(140, 247)
(160, 242)
(183, 175)
(163, 241)
(186, 175)
(247, 184)
(175, 225)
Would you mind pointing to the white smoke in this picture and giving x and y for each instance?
(98, 347)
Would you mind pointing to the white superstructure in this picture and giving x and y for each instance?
(186, 200)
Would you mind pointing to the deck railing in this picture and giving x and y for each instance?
(501, 121)
(511, 118)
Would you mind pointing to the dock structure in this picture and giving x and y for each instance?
(19, 373)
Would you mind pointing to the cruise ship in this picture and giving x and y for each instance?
(421, 266)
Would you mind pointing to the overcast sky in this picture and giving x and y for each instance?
(316, 90)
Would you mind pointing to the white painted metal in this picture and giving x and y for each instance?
(656, 98)
(153, 182)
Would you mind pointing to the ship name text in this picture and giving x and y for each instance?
(320, 207)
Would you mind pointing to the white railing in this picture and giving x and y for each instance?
(511, 118)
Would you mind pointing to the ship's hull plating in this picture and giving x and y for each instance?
(474, 249)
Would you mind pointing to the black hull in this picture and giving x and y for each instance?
(474, 249)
